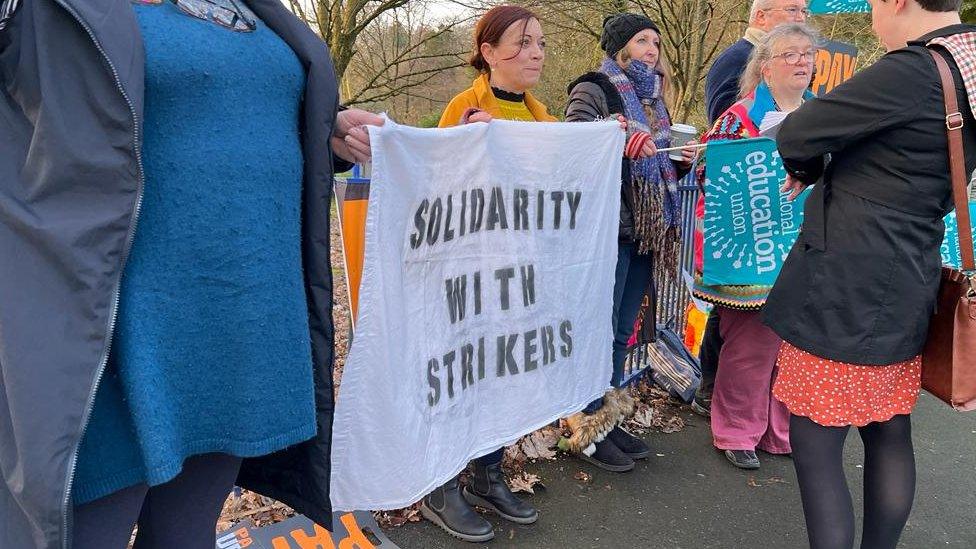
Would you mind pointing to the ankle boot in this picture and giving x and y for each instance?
(605, 455)
(634, 447)
(446, 508)
(486, 488)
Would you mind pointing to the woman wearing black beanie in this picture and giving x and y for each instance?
(632, 81)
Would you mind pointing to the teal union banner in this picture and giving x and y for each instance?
(950, 246)
(839, 6)
(749, 226)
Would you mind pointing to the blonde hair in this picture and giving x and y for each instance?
(623, 59)
(763, 53)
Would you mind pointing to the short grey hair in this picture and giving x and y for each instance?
(763, 52)
(758, 5)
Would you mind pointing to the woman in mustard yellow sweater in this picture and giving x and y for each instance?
(509, 52)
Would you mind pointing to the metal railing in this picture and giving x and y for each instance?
(672, 295)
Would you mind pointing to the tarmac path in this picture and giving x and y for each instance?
(687, 496)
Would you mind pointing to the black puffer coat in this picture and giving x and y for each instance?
(593, 97)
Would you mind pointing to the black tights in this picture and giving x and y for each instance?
(889, 482)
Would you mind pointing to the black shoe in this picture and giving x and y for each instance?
(608, 457)
(486, 488)
(702, 404)
(446, 508)
(743, 459)
(634, 447)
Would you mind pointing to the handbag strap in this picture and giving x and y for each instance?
(957, 169)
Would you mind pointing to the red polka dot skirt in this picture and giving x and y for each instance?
(835, 394)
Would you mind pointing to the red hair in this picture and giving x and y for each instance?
(492, 26)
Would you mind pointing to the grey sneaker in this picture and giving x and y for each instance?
(743, 459)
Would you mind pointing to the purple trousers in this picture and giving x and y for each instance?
(745, 415)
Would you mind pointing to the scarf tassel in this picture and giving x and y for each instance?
(652, 232)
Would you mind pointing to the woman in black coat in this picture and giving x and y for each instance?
(854, 298)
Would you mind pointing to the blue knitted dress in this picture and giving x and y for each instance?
(211, 350)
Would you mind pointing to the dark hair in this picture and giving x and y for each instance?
(940, 5)
(492, 26)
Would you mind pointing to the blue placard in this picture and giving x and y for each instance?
(749, 226)
(839, 6)
(950, 245)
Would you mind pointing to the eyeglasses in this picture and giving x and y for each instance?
(793, 57)
(792, 11)
(234, 18)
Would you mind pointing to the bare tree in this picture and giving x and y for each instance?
(855, 29)
(348, 26)
(340, 22)
(693, 33)
(401, 51)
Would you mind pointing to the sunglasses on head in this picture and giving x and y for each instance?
(234, 18)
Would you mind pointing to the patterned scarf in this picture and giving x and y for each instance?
(657, 208)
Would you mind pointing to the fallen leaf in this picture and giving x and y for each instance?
(399, 517)
(644, 417)
(538, 445)
(524, 482)
(583, 477)
(514, 459)
(671, 424)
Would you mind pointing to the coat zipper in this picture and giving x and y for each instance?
(113, 315)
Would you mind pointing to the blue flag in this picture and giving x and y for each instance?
(950, 245)
(839, 6)
(749, 225)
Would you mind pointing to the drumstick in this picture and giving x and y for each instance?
(698, 146)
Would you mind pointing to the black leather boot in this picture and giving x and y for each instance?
(607, 456)
(486, 488)
(446, 508)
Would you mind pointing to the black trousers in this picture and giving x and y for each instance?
(181, 513)
(708, 354)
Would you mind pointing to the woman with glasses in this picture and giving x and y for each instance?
(509, 51)
(165, 177)
(744, 415)
(721, 92)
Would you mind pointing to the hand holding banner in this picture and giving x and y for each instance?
(485, 302)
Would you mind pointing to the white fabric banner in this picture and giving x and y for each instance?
(486, 299)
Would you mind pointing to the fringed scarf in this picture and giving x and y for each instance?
(657, 208)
